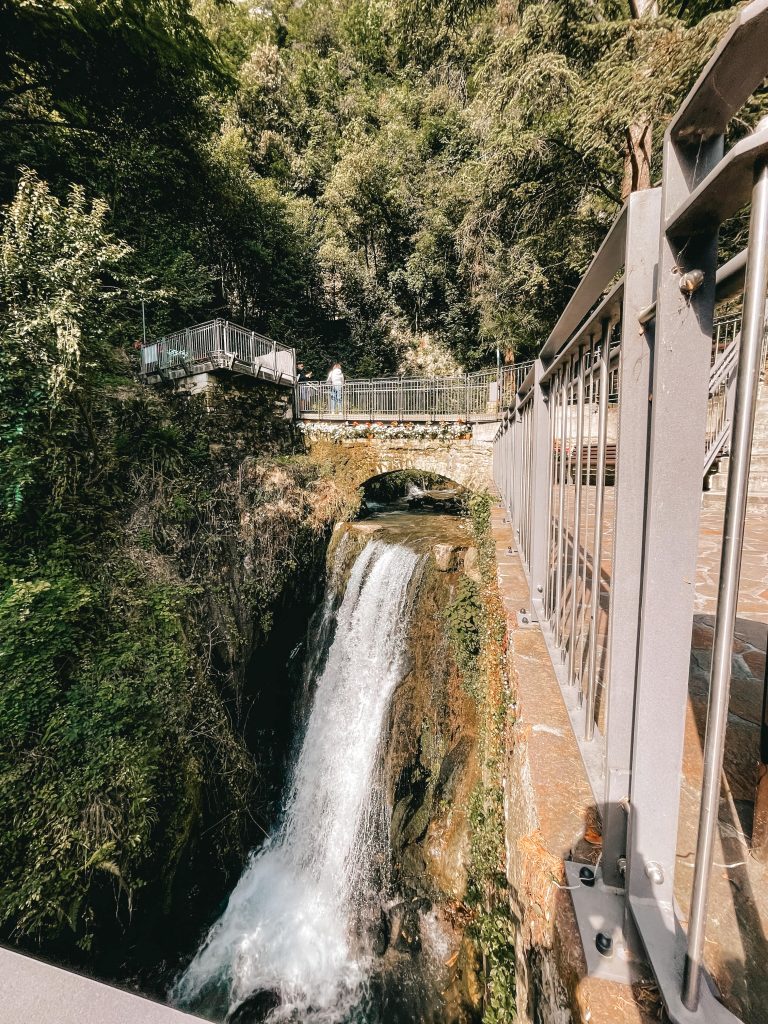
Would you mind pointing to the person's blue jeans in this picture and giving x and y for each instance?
(336, 398)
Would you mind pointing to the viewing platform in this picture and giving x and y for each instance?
(218, 345)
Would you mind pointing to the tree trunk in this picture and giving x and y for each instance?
(639, 137)
(641, 7)
(637, 159)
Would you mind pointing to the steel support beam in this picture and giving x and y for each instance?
(680, 384)
(681, 359)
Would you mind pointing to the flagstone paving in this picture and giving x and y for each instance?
(736, 948)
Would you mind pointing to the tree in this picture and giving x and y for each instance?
(56, 263)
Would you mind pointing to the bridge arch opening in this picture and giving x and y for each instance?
(415, 489)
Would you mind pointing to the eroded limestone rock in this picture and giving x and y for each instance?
(445, 556)
(472, 565)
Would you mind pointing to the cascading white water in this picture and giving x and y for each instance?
(290, 925)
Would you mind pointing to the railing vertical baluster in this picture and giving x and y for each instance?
(583, 643)
(516, 469)
(554, 409)
(575, 547)
(597, 546)
(513, 475)
(564, 387)
(525, 479)
(539, 499)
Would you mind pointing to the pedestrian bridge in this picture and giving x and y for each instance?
(218, 348)
(463, 454)
(221, 348)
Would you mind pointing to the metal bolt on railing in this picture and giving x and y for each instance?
(654, 872)
(604, 944)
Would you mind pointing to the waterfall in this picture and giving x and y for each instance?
(291, 926)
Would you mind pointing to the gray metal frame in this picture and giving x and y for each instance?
(218, 345)
(637, 359)
(470, 397)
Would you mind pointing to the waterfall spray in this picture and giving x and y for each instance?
(290, 925)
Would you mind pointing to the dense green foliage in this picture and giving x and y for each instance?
(125, 621)
(366, 178)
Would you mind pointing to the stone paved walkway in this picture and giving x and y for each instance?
(753, 593)
(736, 947)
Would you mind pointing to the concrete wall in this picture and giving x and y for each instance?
(34, 992)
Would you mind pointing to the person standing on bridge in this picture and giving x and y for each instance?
(306, 387)
(336, 380)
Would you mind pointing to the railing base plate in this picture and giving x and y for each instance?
(601, 910)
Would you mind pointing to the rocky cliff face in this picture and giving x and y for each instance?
(431, 771)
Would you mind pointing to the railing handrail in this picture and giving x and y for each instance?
(490, 374)
(186, 332)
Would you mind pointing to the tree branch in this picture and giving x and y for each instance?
(599, 184)
(88, 425)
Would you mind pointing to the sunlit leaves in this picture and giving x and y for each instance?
(57, 267)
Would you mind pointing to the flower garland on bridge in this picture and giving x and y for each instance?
(455, 431)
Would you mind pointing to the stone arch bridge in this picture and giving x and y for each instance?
(467, 461)
(451, 421)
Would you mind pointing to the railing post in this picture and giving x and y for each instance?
(539, 493)
(730, 393)
(681, 362)
(641, 253)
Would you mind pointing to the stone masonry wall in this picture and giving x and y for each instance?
(550, 816)
(466, 462)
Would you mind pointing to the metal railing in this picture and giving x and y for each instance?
(471, 397)
(599, 463)
(722, 381)
(722, 377)
(219, 344)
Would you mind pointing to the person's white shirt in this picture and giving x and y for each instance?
(336, 377)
